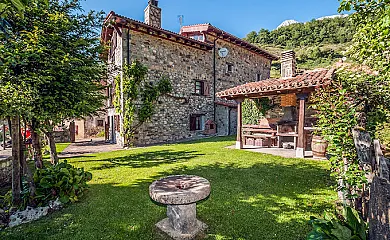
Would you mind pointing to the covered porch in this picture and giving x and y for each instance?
(297, 90)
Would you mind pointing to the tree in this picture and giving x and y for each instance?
(251, 37)
(264, 36)
(371, 42)
(63, 67)
(50, 67)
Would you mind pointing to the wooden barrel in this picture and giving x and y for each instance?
(318, 146)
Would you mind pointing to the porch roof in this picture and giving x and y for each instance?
(306, 82)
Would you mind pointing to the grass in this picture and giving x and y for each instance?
(254, 196)
(60, 148)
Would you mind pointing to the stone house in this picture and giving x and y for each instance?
(199, 61)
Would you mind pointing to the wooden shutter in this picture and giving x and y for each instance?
(193, 123)
(206, 87)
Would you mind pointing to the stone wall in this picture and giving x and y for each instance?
(226, 120)
(184, 65)
(245, 66)
(5, 170)
(62, 136)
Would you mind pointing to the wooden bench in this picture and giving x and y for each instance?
(252, 133)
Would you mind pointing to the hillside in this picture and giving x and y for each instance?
(318, 43)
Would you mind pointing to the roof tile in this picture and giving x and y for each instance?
(307, 80)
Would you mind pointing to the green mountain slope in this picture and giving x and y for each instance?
(318, 43)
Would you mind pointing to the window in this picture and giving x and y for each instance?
(196, 122)
(229, 68)
(198, 37)
(258, 77)
(202, 88)
(199, 87)
(100, 123)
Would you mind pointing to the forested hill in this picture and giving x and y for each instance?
(318, 43)
(326, 31)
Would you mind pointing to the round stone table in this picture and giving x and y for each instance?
(180, 194)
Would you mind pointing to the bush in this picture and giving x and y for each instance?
(101, 134)
(349, 226)
(383, 134)
(61, 181)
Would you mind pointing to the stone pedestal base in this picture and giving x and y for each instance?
(166, 227)
(181, 222)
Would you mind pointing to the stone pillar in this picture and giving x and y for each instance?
(239, 143)
(288, 64)
(153, 14)
(300, 151)
(183, 218)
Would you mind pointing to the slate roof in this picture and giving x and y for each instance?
(308, 81)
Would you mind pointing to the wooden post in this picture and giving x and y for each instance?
(300, 150)
(239, 143)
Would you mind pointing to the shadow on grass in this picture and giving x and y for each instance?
(146, 159)
(261, 201)
(209, 140)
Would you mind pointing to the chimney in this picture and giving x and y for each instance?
(288, 64)
(153, 14)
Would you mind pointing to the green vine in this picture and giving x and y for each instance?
(139, 97)
(355, 99)
(255, 109)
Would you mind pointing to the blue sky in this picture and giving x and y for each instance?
(238, 17)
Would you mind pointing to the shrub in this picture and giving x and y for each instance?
(61, 181)
(101, 134)
(349, 226)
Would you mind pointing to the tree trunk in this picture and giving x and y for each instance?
(9, 126)
(16, 150)
(37, 146)
(53, 149)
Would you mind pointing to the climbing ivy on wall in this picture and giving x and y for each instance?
(139, 97)
(357, 98)
(255, 109)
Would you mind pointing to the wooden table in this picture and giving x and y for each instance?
(259, 132)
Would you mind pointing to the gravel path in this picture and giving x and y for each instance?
(88, 147)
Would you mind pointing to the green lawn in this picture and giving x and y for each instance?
(60, 148)
(254, 196)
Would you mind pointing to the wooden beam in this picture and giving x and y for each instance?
(300, 151)
(239, 141)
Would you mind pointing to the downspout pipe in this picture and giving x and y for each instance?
(215, 75)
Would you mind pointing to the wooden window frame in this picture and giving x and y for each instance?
(258, 77)
(229, 67)
(196, 122)
(200, 91)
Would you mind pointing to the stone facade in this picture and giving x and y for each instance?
(185, 62)
(5, 170)
(153, 14)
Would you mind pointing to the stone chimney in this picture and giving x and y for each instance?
(288, 64)
(153, 14)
